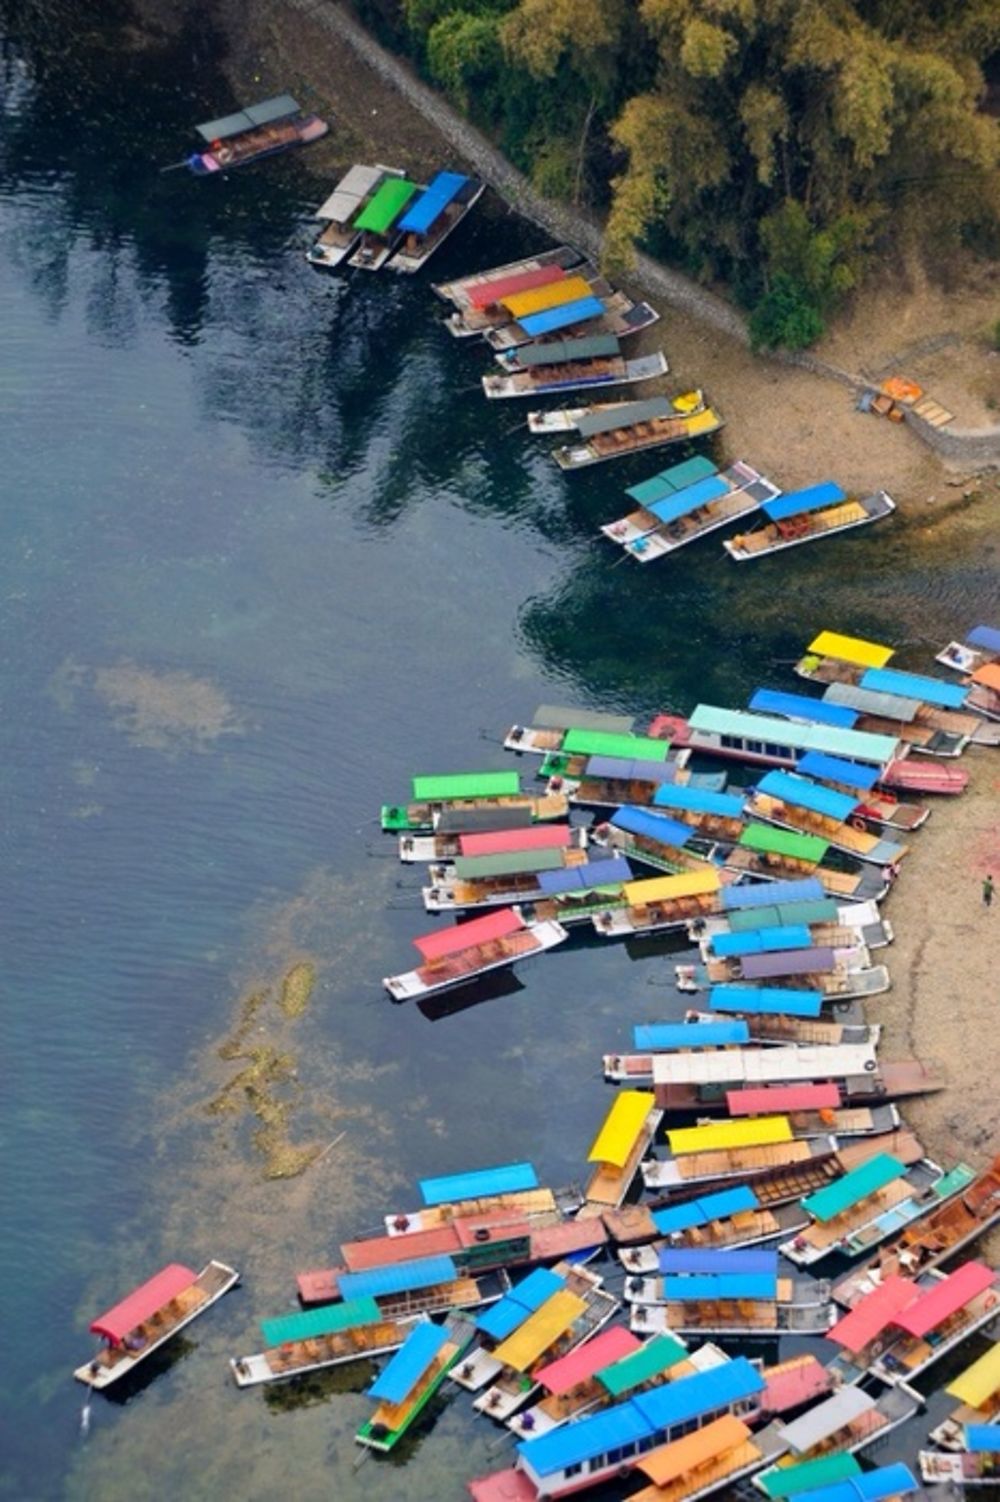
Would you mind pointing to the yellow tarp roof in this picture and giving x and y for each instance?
(854, 649)
(979, 1381)
(703, 422)
(622, 1125)
(722, 1134)
(552, 295)
(672, 1461)
(665, 888)
(540, 1330)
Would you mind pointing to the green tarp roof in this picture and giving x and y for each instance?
(788, 1481)
(325, 1321)
(833, 1199)
(557, 351)
(745, 919)
(508, 863)
(652, 1357)
(465, 785)
(581, 742)
(767, 839)
(385, 206)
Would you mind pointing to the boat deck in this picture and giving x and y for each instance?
(113, 1362)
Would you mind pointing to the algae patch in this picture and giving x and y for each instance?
(297, 988)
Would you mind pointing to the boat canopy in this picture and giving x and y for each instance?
(873, 1313)
(588, 877)
(480, 1183)
(784, 915)
(581, 742)
(760, 941)
(852, 649)
(722, 1136)
(375, 1251)
(442, 190)
(788, 1481)
(799, 502)
(523, 1299)
(622, 1128)
(696, 1290)
(672, 507)
(857, 1185)
(670, 481)
(563, 317)
(795, 1382)
(489, 294)
(504, 841)
(766, 1001)
(701, 1212)
(988, 676)
(665, 1036)
(507, 863)
(826, 1419)
(783, 1098)
(856, 744)
(385, 205)
(558, 717)
(480, 820)
(329, 1319)
(619, 769)
(540, 1330)
(941, 1302)
(467, 935)
(811, 961)
(624, 415)
(697, 800)
(349, 194)
(769, 1065)
(915, 686)
(801, 707)
(281, 107)
(398, 1277)
(143, 1302)
(465, 785)
(560, 351)
(713, 1260)
(977, 1384)
(659, 828)
(869, 701)
(670, 888)
(985, 637)
(547, 295)
(980, 1438)
(606, 1347)
(768, 840)
(404, 1370)
(895, 1480)
(836, 769)
(652, 1357)
(683, 1458)
(765, 894)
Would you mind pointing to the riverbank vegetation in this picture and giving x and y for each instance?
(782, 147)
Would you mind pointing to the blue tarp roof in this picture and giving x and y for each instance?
(720, 1286)
(572, 1444)
(801, 707)
(513, 1309)
(409, 1363)
(979, 1437)
(689, 1397)
(683, 1259)
(700, 1211)
(914, 686)
(870, 1486)
(766, 1000)
(398, 1277)
(796, 502)
(670, 481)
(583, 878)
(443, 188)
(673, 507)
(836, 769)
(762, 940)
(805, 794)
(622, 769)
(653, 826)
(985, 637)
(665, 1037)
(546, 322)
(699, 801)
(508, 1178)
(767, 893)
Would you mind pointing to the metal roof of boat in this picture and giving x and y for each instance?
(870, 702)
(595, 1434)
(769, 840)
(709, 1207)
(496, 925)
(852, 649)
(658, 827)
(507, 863)
(604, 1348)
(563, 317)
(540, 1331)
(669, 888)
(836, 769)
(278, 108)
(987, 637)
(670, 1035)
(860, 1184)
(724, 1441)
(310, 1324)
(624, 415)
(802, 707)
(480, 820)
(769, 893)
(548, 295)
(478, 1183)
(980, 1438)
(825, 1419)
(700, 801)
(672, 507)
(789, 1481)
(766, 1001)
(582, 742)
(143, 1301)
(871, 1486)
(873, 1313)
(404, 1370)
(810, 961)
(979, 1381)
(652, 1357)
(857, 744)
(489, 293)
(783, 1098)
(349, 194)
(761, 941)
(439, 788)
(442, 190)
(619, 769)
(530, 837)
(798, 502)
(722, 1136)
(713, 1260)
(375, 1251)
(560, 351)
(915, 686)
(781, 1065)
(513, 1309)
(594, 873)
(622, 1128)
(720, 1286)
(945, 1299)
(398, 1277)
(670, 481)
(385, 205)
(783, 915)
(702, 1392)
(560, 717)
(567, 1236)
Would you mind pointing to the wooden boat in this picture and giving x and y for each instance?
(468, 833)
(655, 840)
(468, 793)
(258, 131)
(580, 364)
(818, 1448)
(485, 881)
(779, 1027)
(406, 1385)
(456, 956)
(670, 516)
(636, 427)
(717, 1454)
(769, 853)
(150, 1316)
(337, 213)
(978, 1391)
(978, 1464)
(876, 808)
(619, 1147)
(685, 1082)
(980, 647)
(591, 308)
(771, 1026)
(944, 1229)
(611, 1365)
(430, 219)
(842, 974)
(568, 419)
(837, 924)
(612, 782)
(984, 691)
(662, 903)
(795, 802)
(511, 1188)
(926, 731)
(800, 516)
(471, 295)
(551, 723)
(377, 224)
(315, 1339)
(724, 1310)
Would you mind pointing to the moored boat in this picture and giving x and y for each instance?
(472, 294)
(377, 223)
(733, 1218)
(430, 219)
(844, 973)
(770, 853)
(492, 881)
(406, 1385)
(793, 801)
(801, 516)
(512, 1188)
(248, 135)
(636, 427)
(976, 1464)
(819, 1446)
(671, 516)
(314, 1339)
(337, 213)
(980, 646)
(876, 806)
(660, 903)
(589, 306)
(590, 1378)
(717, 1454)
(456, 956)
(472, 794)
(978, 1391)
(727, 1293)
(652, 839)
(625, 1136)
(826, 920)
(551, 723)
(495, 831)
(579, 364)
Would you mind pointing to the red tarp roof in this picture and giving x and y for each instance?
(144, 1301)
(467, 935)
(950, 1295)
(320, 1286)
(488, 293)
(873, 1313)
(593, 1356)
(500, 841)
(785, 1098)
(795, 1385)
(568, 1236)
(489, 1228)
(379, 1251)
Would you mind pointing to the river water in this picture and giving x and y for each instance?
(266, 552)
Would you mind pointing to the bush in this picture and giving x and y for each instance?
(786, 316)
(996, 335)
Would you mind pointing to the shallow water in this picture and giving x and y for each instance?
(266, 552)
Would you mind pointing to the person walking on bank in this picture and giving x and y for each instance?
(988, 892)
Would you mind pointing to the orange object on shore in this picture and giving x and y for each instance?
(902, 390)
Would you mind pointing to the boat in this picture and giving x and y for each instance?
(714, 815)
(770, 853)
(634, 427)
(726, 1218)
(407, 1383)
(925, 731)
(430, 219)
(727, 1293)
(984, 691)
(338, 237)
(795, 802)
(793, 1384)
(767, 1016)
(475, 295)
(685, 1082)
(842, 973)
(552, 722)
(489, 881)
(377, 224)
(610, 1366)
(553, 420)
(660, 903)
(780, 1027)
(876, 806)
(978, 1391)
(511, 1188)
(151, 1315)
(826, 921)
(455, 956)
(980, 648)
(944, 1229)
(977, 1464)
(800, 516)
(469, 794)
(583, 304)
(819, 1447)
(581, 364)
(652, 839)
(314, 1339)
(492, 831)
(671, 516)
(258, 131)
(625, 1137)
(717, 1454)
